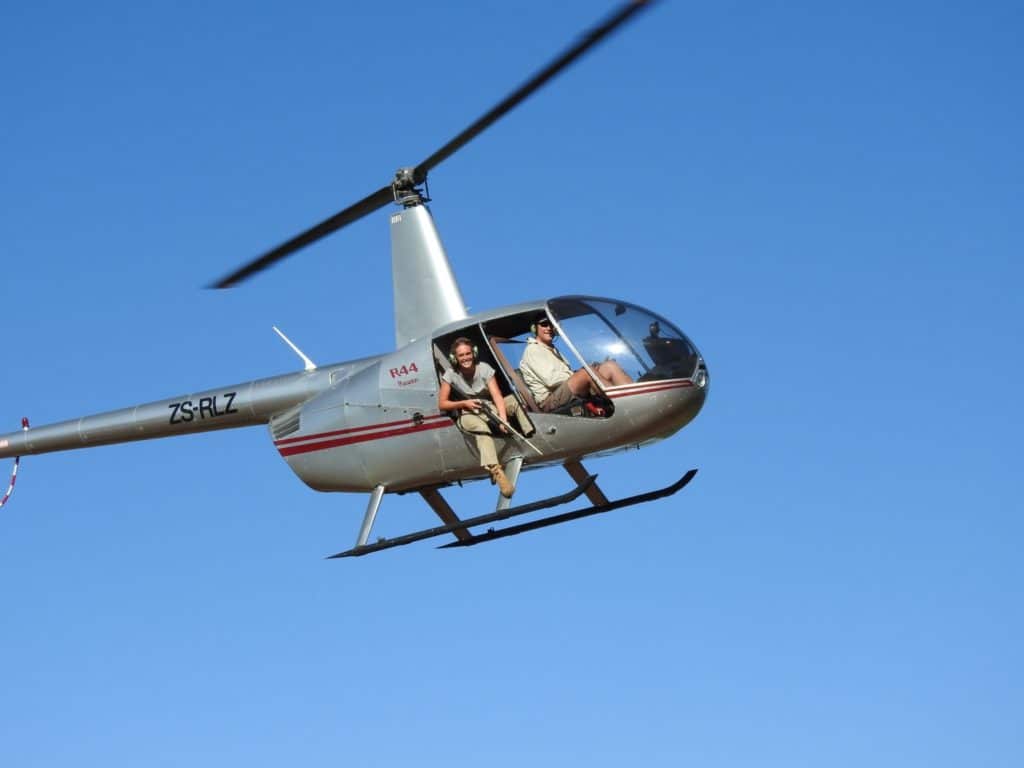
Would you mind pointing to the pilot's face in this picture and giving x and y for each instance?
(545, 331)
(464, 356)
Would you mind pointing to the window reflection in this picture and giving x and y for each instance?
(648, 347)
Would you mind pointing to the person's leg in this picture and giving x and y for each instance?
(514, 411)
(560, 396)
(479, 428)
(611, 373)
(581, 384)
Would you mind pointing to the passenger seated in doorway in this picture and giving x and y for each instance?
(551, 380)
(475, 392)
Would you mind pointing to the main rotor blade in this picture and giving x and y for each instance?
(367, 205)
(386, 195)
(585, 43)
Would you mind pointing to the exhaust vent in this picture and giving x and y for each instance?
(285, 424)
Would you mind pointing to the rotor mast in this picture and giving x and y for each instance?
(426, 294)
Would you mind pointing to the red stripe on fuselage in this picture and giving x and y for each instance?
(323, 445)
(352, 430)
(647, 389)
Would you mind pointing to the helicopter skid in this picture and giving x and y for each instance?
(565, 517)
(585, 484)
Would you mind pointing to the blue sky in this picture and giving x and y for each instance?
(825, 197)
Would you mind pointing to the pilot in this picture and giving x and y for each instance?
(551, 379)
(472, 390)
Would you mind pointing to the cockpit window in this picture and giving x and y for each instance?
(647, 346)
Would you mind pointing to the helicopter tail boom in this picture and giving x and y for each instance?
(239, 405)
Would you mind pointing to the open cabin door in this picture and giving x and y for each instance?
(488, 351)
(499, 352)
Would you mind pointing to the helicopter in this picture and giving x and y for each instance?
(373, 425)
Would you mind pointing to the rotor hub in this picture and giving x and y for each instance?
(408, 192)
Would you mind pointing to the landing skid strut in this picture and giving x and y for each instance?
(440, 530)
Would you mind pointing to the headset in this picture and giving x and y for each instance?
(458, 343)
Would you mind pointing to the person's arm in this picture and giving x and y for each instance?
(445, 403)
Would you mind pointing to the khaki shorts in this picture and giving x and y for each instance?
(559, 396)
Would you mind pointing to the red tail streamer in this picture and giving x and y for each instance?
(14, 472)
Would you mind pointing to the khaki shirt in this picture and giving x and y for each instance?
(543, 369)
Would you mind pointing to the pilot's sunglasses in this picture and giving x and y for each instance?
(544, 324)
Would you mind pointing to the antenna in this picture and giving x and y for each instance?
(310, 365)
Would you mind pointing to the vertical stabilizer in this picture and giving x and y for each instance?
(425, 291)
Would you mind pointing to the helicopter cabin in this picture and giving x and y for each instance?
(588, 333)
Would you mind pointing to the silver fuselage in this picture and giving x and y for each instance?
(375, 421)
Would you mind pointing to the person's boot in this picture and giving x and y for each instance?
(498, 476)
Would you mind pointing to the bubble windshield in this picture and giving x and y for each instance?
(646, 346)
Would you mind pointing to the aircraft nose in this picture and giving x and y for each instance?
(691, 399)
(686, 400)
(659, 409)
